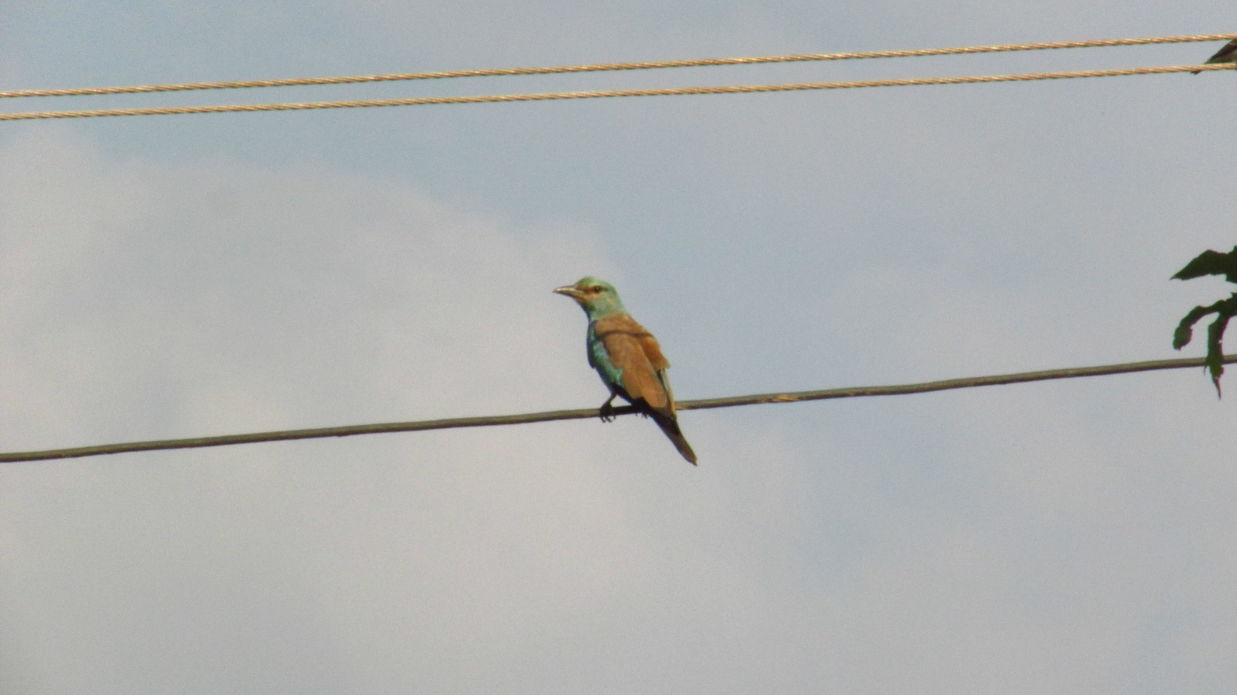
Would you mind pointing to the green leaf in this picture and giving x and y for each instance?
(1215, 348)
(1211, 263)
(1185, 329)
(1224, 310)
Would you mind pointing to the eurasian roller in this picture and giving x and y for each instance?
(628, 359)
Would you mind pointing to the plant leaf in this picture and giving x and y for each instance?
(1211, 263)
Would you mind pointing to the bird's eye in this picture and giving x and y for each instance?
(595, 288)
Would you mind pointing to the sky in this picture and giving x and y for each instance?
(196, 275)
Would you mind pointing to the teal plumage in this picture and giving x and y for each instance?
(627, 358)
(599, 359)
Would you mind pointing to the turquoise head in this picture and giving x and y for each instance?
(598, 298)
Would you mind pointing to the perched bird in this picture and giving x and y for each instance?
(628, 359)
(1227, 54)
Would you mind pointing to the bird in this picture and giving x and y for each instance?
(627, 358)
(1226, 54)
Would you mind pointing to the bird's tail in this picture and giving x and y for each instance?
(670, 425)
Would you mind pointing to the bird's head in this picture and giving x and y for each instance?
(597, 297)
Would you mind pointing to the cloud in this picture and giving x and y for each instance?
(150, 300)
(1074, 534)
(264, 298)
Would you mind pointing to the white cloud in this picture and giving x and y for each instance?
(148, 301)
(1072, 536)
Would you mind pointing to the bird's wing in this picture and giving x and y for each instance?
(660, 364)
(635, 352)
(1225, 54)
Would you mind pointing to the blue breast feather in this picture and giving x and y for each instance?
(600, 360)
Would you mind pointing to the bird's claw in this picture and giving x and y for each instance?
(607, 412)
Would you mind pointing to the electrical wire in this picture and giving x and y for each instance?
(488, 421)
(607, 67)
(549, 96)
(595, 94)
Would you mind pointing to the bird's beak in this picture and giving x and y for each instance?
(570, 291)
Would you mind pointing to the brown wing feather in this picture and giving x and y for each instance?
(634, 350)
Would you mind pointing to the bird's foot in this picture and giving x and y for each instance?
(607, 412)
